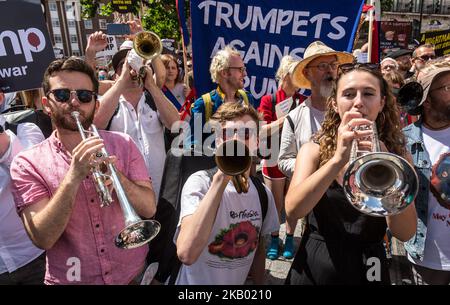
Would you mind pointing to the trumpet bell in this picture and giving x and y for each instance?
(233, 159)
(380, 184)
(147, 45)
(137, 234)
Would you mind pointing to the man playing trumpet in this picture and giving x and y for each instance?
(219, 234)
(56, 196)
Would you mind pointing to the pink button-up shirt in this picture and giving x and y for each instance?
(85, 253)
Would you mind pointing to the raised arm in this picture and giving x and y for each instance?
(196, 228)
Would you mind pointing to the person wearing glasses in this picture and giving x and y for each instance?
(421, 55)
(55, 194)
(220, 233)
(341, 245)
(429, 142)
(388, 64)
(317, 72)
(228, 71)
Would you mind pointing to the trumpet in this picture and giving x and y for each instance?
(146, 46)
(233, 159)
(137, 232)
(379, 183)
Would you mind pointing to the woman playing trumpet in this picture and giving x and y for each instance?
(341, 244)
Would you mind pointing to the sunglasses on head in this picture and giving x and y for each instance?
(63, 95)
(344, 68)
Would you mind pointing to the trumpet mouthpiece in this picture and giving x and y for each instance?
(75, 114)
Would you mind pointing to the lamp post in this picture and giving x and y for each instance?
(420, 18)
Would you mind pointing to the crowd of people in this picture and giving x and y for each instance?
(54, 229)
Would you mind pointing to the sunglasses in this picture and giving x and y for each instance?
(426, 57)
(242, 133)
(63, 95)
(344, 68)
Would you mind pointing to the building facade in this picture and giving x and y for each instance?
(68, 31)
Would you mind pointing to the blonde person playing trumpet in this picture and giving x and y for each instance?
(56, 196)
(340, 243)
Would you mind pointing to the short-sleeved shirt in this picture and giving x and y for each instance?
(88, 240)
(233, 240)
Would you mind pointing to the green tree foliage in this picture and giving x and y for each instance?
(386, 5)
(160, 16)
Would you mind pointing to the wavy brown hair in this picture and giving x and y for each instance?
(388, 125)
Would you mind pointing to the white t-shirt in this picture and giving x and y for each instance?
(437, 243)
(16, 248)
(146, 129)
(317, 117)
(178, 92)
(233, 240)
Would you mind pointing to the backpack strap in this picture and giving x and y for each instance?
(12, 127)
(291, 123)
(208, 106)
(263, 198)
(244, 96)
(112, 117)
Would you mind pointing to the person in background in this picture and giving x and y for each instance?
(388, 64)
(174, 89)
(429, 143)
(21, 262)
(273, 177)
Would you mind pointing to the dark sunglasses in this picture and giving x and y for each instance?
(243, 133)
(63, 95)
(344, 68)
(426, 57)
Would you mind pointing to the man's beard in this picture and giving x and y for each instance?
(441, 115)
(62, 121)
(326, 88)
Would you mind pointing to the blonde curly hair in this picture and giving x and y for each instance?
(221, 61)
(388, 122)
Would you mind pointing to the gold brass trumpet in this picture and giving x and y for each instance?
(233, 159)
(146, 46)
(379, 183)
(137, 232)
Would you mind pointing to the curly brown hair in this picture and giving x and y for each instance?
(388, 123)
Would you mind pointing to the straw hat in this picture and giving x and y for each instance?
(313, 51)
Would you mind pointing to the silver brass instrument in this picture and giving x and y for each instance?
(379, 183)
(137, 232)
(233, 159)
(147, 45)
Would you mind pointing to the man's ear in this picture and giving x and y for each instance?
(46, 105)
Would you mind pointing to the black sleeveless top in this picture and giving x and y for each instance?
(341, 245)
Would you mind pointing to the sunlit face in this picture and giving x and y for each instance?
(172, 71)
(423, 55)
(234, 76)
(243, 129)
(321, 72)
(359, 91)
(61, 112)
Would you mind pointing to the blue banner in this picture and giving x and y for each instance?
(263, 31)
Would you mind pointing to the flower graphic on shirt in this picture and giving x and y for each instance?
(239, 240)
(440, 180)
